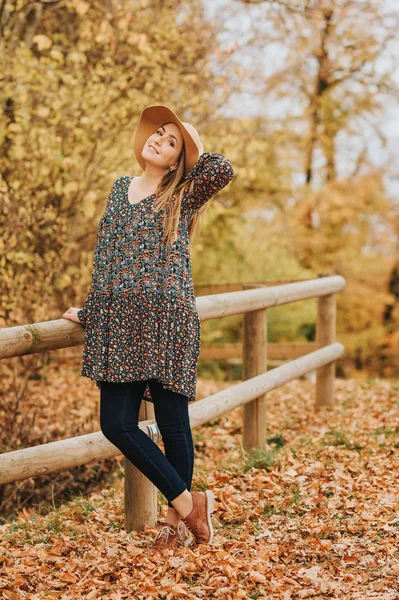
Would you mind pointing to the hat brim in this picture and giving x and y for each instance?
(151, 118)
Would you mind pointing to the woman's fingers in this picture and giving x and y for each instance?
(72, 314)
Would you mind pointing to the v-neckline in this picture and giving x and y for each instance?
(127, 194)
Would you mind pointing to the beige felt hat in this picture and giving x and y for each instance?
(154, 116)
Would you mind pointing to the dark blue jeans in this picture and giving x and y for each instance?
(120, 403)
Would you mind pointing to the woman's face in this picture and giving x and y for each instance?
(164, 146)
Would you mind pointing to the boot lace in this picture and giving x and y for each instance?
(165, 532)
(182, 527)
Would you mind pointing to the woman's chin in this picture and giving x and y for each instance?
(150, 159)
(149, 156)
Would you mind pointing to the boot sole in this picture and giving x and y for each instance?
(210, 504)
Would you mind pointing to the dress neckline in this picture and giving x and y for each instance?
(130, 179)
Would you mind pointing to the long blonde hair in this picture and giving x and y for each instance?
(169, 194)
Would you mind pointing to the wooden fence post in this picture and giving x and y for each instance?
(141, 495)
(325, 334)
(254, 363)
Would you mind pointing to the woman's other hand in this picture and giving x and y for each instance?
(72, 314)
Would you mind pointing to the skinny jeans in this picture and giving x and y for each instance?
(171, 472)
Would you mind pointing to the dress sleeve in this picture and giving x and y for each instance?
(82, 312)
(211, 173)
(82, 315)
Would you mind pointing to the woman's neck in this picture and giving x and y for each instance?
(151, 177)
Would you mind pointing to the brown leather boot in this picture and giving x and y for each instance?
(199, 519)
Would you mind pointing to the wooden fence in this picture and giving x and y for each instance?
(231, 352)
(140, 493)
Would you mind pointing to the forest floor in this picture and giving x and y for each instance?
(313, 515)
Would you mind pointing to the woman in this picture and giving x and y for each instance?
(142, 329)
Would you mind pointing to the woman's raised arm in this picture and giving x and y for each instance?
(211, 173)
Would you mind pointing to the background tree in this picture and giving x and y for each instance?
(333, 87)
(74, 77)
(71, 97)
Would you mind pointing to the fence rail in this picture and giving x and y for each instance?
(140, 493)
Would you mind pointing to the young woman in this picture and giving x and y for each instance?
(142, 329)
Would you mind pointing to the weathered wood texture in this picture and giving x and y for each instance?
(84, 449)
(282, 350)
(141, 495)
(254, 363)
(325, 334)
(62, 333)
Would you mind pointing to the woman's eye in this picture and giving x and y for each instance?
(170, 142)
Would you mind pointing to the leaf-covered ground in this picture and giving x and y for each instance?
(314, 515)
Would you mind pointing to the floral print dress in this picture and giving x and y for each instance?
(140, 315)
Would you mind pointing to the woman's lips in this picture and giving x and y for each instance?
(153, 147)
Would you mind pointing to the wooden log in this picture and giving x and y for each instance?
(288, 350)
(141, 495)
(85, 449)
(50, 335)
(205, 289)
(222, 402)
(37, 337)
(282, 351)
(63, 454)
(325, 334)
(232, 303)
(254, 363)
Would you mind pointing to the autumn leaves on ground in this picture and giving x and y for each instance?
(314, 515)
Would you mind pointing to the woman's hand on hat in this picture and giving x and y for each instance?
(201, 150)
(72, 315)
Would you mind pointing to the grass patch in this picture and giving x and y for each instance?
(269, 510)
(278, 441)
(339, 438)
(84, 505)
(259, 458)
(230, 467)
(36, 531)
(385, 431)
(254, 595)
(296, 497)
